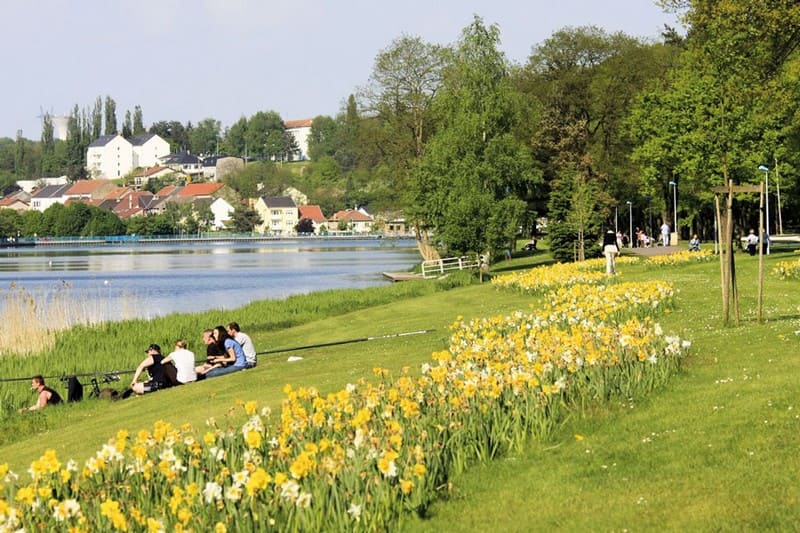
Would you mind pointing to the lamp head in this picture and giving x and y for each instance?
(672, 183)
(763, 168)
(629, 202)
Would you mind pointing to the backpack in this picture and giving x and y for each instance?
(74, 389)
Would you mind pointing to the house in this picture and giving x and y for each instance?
(356, 221)
(148, 148)
(30, 185)
(300, 130)
(90, 189)
(19, 201)
(183, 162)
(313, 213)
(141, 179)
(219, 207)
(200, 190)
(299, 197)
(114, 156)
(49, 195)
(279, 215)
(133, 204)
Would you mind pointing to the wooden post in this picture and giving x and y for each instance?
(731, 259)
(723, 278)
(760, 254)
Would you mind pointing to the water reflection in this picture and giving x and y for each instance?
(157, 280)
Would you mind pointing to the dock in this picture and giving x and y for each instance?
(402, 276)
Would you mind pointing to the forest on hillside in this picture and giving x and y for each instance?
(595, 130)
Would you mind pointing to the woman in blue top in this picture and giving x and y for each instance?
(234, 355)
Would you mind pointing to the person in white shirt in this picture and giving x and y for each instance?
(245, 342)
(184, 362)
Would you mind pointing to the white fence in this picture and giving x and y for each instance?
(438, 267)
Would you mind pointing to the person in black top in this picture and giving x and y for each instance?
(153, 365)
(47, 396)
(610, 250)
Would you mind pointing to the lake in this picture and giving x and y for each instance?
(149, 280)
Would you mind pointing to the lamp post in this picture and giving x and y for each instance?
(616, 218)
(765, 170)
(630, 221)
(674, 186)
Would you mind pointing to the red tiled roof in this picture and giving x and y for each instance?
(351, 214)
(166, 191)
(314, 212)
(200, 189)
(153, 170)
(87, 186)
(302, 123)
(11, 200)
(118, 192)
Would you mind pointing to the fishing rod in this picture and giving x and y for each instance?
(349, 341)
(111, 375)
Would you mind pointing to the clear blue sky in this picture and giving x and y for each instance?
(189, 60)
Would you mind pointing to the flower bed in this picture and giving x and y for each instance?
(360, 458)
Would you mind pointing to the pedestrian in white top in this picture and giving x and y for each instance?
(184, 362)
(245, 342)
(665, 234)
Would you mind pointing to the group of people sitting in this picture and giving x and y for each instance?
(228, 350)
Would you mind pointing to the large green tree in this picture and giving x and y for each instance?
(468, 188)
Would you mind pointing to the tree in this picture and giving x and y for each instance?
(323, 137)
(127, 125)
(10, 223)
(235, 142)
(138, 122)
(97, 118)
(244, 220)
(110, 116)
(204, 137)
(404, 80)
(474, 170)
(305, 225)
(260, 143)
(48, 145)
(173, 132)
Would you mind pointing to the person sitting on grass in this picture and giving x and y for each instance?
(247, 344)
(215, 353)
(153, 364)
(183, 359)
(234, 355)
(47, 396)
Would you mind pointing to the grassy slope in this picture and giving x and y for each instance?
(81, 429)
(714, 450)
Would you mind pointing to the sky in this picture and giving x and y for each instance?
(189, 60)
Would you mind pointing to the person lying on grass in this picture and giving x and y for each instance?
(47, 396)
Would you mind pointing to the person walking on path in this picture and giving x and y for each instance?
(752, 242)
(665, 234)
(610, 250)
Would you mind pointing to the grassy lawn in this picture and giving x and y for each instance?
(714, 450)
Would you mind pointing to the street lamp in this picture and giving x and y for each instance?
(674, 186)
(630, 221)
(765, 170)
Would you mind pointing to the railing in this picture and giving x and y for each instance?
(438, 267)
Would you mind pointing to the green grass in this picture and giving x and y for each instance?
(714, 450)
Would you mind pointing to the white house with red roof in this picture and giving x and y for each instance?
(355, 220)
(313, 213)
(300, 130)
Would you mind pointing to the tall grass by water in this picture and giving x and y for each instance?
(58, 342)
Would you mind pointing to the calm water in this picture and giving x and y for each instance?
(154, 280)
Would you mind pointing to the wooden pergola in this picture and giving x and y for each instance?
(726, 261)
